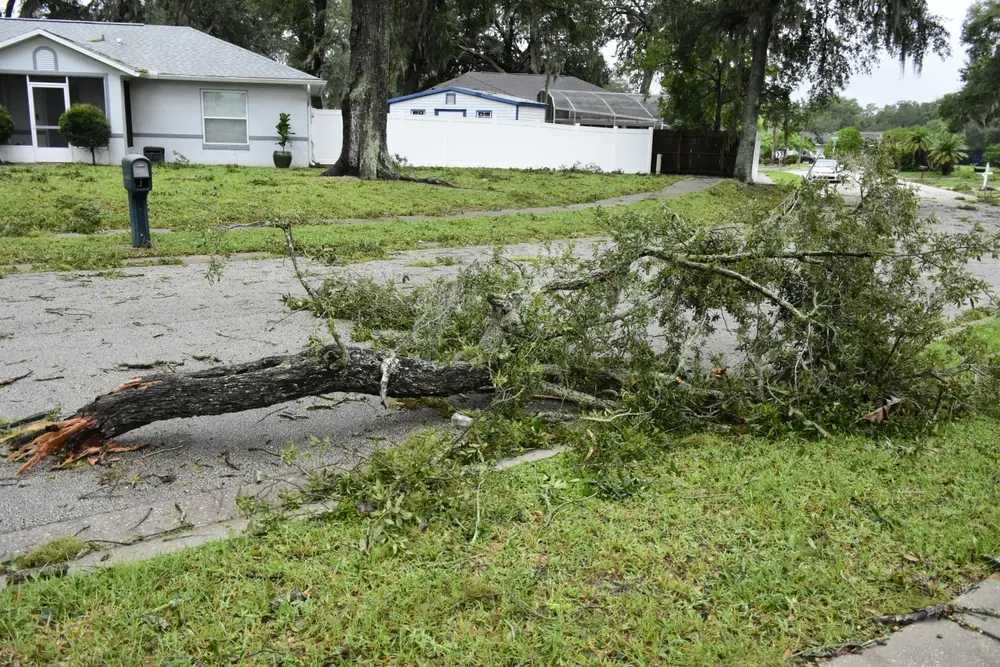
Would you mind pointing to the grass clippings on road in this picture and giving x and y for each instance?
(86, 199)
(362, 242)
(739, 551)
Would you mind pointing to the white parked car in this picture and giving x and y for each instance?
(825, 170)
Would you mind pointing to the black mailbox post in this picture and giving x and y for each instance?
(137, 173)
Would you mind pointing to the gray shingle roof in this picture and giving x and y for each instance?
(524, 86)
(164, 50)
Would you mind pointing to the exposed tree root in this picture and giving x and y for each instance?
(427, 181)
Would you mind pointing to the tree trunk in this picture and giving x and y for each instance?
(226, 389)
(317, 40)
(414, 73)
(9, 11)
(647, 81)
(755, 90)
(718, 96)
(365, 151)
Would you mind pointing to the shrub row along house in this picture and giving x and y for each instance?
(161, 87)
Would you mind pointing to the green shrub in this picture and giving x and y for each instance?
(898, 142)
(849, 142)
(6, 124)
(86, 126)
(991, 154)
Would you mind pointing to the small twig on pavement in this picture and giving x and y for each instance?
(142, 520)
(161, 451)
(225, 459)
(962, 623)
(9, 381)
(926, 614)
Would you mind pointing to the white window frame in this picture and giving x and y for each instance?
(418, 112)
(245, 118)
(484, 113)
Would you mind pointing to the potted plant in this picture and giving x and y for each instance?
(283, 157)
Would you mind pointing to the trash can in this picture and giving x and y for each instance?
(155, 153)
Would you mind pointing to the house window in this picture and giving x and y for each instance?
(449, 98)
(484, 114)
(416, 112)
(224, 114)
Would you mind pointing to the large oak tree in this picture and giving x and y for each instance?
(365, 151)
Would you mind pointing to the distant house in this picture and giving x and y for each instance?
(168, 87)
(454, 101)
(565, 99)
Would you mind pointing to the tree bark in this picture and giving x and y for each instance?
(234, 388)
(9, 11)
(755, 91)
(647, 81)
(317, 39)
(365, 151)
(719, 100)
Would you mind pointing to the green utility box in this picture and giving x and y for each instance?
(137, 174)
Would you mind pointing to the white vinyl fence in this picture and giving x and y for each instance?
(430, 141)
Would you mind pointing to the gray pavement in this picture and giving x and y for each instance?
(942, 643)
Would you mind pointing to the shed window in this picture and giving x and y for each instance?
(484, 114)
(416, 112)
(224, 114)
(449, 98)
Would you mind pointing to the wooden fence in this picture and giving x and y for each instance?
(694, 153)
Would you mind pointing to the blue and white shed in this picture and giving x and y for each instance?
(465, 103)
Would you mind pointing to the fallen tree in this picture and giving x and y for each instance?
(220, 390)
(834, 308)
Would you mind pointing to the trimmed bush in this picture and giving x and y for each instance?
(86, 126)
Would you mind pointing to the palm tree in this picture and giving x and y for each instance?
(946, 150)
(920, 140)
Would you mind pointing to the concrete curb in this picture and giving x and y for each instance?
(170, 527)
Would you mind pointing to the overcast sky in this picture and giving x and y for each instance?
(886, 84)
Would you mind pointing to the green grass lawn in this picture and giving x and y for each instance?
(786, 178)
(963, 179)
(352, 243)
(79, 198)
(738, 552)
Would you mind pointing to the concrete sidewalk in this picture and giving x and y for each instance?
(963, 642)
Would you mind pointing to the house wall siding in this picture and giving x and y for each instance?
(169, 114)
(19, 60)
(470, 103)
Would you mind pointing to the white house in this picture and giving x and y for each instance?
(169, 87)
(452, 101)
